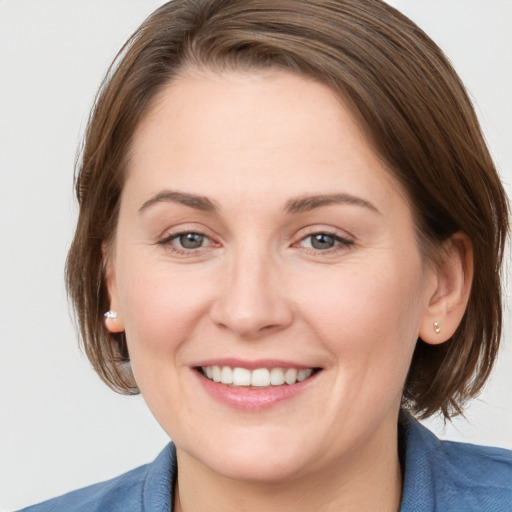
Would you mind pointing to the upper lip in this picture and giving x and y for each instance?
(253, 364)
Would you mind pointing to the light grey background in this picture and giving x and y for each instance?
(60, 427)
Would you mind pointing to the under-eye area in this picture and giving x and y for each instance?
(257, 378)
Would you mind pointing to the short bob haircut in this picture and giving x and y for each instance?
(405, 96)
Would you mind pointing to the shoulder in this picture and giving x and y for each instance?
(449, 475)
(146, 488)
(111, 496)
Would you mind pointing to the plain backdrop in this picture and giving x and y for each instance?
(60, 427)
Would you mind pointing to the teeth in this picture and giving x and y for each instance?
(216, 374)
(261, 377)
(241, 377)
(290, 376)
(276, 377)
(303, 375)
(226, 375)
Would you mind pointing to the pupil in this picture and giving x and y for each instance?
(322, 241)
(191, 241)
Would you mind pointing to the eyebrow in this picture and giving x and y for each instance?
(307, 203)
(298, 205)
(193, 201)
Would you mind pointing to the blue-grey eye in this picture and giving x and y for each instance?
(322, 241)
(191, 240)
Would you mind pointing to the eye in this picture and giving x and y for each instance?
(185, 242)
(324, 241)
(190, 240)
(321, 241)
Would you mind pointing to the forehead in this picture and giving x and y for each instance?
(253, 107)
(253, 129)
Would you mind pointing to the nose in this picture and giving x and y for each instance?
(252, 301)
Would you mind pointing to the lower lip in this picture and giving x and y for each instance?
(253, 399)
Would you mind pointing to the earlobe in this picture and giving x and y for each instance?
(113, 318)
(454, 273)
(113, 322)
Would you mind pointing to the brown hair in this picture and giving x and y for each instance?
(408, 100)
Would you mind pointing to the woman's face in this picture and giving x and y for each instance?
(260, 239)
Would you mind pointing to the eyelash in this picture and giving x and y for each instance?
(166, 242)
(340, 243)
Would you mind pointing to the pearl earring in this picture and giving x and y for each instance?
(437, 329)
(111, 314)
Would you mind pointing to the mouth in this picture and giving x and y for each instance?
(239, 377)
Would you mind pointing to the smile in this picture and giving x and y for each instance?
(260, 377)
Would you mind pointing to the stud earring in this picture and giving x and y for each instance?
(437, 329)
(111, 314)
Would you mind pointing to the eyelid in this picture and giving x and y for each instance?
(165, 240)
(326, 230)
(344, 240)
(182, 229)
(337, 238)
(172, 236)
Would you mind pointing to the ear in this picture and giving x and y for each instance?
(113, 325)
(454, 274)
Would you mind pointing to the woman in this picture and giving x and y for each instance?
(289, 241)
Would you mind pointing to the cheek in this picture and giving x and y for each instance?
(368, 316)
(162, 305)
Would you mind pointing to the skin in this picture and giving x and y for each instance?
(252, 143)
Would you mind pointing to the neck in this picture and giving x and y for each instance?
(367, 480)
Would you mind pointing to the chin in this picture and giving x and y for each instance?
(260, 468)
(255, 459)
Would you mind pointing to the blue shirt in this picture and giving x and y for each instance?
(440, 476)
